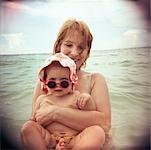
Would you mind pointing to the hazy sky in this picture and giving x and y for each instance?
(32, 26)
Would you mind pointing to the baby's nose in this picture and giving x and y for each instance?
(57, 83)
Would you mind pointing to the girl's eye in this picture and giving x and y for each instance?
(68, 45)
(80, 51)
(81, 48)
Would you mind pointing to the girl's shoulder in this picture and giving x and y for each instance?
(97, 75)
(98, 81)
(95, 80)
(94, 75)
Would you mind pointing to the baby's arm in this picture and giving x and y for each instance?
(84, 101)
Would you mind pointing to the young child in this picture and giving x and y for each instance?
(58, 78)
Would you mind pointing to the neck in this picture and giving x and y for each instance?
(79, 72)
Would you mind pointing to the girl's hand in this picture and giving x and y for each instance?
(45, 114)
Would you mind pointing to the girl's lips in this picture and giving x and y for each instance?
(75, 60)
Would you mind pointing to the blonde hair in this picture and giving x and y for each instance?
(70, 26)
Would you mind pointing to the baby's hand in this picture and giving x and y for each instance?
(81, 100)
(32, 118)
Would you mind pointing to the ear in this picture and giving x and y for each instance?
(73, 87)
(45, 90)
(44, 87)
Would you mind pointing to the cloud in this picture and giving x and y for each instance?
(132, 34)
(15, 40)
(136, 37)
(117, 23)
(23, 7)
(56, 8)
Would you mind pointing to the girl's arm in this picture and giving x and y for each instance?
(73, 117)
(36, 107)
(79, 119)
(36, 94)
(42, 116)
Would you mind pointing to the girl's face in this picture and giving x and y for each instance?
(56, 76)
(74, 46)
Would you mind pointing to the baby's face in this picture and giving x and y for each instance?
(58, 80)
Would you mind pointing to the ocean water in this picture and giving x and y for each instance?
(127, 73)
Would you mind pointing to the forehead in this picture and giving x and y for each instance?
(57, 70)
(75, 36)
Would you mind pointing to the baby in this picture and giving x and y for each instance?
(58, 78)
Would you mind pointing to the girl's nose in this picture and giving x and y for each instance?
(74, 52)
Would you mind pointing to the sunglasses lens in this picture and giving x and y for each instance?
(64, 84)
(51, 84)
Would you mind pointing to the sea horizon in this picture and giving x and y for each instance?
(44, 53)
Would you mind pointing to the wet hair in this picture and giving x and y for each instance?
(69, 27)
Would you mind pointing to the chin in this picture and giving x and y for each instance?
(59, 94)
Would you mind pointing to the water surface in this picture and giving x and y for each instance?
(128, 76)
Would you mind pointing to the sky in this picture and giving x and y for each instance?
(31, 26)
